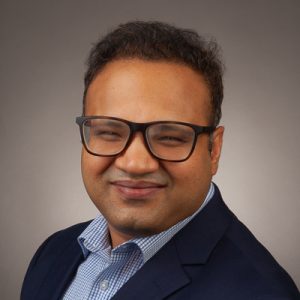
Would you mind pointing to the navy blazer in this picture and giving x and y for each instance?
(214, 257)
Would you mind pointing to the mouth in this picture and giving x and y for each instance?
(130, 189)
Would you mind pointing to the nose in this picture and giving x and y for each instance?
(136, 159)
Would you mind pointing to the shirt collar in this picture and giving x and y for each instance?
(95, 237)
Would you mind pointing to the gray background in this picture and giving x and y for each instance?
(43, 47)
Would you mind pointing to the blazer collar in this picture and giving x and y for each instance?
(61, 272)
(159, 277)
(164, 273)
(198, 239)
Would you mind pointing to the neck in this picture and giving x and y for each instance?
(117, 238)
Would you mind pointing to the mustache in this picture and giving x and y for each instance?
(118, 175)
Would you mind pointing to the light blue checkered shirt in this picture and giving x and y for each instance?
(104, 270)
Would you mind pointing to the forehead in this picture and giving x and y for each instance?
(145, 91)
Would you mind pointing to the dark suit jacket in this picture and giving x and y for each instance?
(214, 257)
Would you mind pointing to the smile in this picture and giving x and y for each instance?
(137, 189)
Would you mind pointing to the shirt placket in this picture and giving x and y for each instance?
(106, 284)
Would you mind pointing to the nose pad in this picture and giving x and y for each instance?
(136, 158)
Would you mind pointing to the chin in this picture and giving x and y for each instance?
(137, 228)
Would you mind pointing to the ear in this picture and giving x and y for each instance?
(217, 141)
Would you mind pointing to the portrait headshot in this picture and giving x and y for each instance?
(150, 150)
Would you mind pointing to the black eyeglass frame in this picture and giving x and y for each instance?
(142, 127)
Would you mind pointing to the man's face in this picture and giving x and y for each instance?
(137, 193)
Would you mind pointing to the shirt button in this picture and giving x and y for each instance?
(104, 285)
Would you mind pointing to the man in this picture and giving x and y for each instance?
(151, 144)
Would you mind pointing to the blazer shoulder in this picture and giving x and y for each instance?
(49, 251)
(58, 240)
(220, 244)
(261, 266)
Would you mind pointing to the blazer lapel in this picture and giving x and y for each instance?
(167, 271)
(160, 276)
(61, 272)
(198, 239)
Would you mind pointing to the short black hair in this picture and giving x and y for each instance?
(158, 41)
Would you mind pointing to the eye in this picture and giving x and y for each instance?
(170, 140)
(107, 135)
(170, 135)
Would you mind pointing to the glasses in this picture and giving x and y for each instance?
(165, 140)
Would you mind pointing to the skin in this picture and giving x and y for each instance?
(138, 194)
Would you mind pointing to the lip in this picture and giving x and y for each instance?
(130, 189)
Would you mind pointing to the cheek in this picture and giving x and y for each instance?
(93, 166)
(191, 179)
(190, 171)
